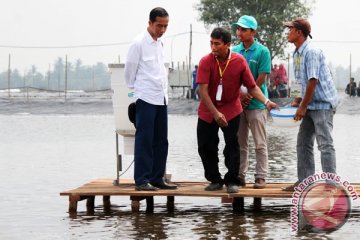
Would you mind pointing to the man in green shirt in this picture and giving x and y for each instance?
(254, 116)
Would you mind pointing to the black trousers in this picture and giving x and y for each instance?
(208, 142)
(151, 142)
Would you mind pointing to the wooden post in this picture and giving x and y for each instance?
(170, 204)
(135, 206)
(90, 204)
(150, 204)
(106, 203)
(73, 201)
(257, 204)
(238, 204)
(135, 203)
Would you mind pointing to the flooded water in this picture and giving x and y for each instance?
(47, 150)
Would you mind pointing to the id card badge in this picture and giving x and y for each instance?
(219, 92)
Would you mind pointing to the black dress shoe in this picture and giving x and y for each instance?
(145, 187)
(163, 185)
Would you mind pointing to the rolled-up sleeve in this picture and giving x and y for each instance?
(131, 64)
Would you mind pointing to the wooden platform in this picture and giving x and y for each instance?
(105, 188)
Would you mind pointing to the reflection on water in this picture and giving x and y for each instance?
(42, 155)
(194, 221)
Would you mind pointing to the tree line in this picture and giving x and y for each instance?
(79, 77)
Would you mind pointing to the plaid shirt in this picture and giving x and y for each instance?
(309, 63)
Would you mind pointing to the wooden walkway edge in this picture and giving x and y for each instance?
(106, 189)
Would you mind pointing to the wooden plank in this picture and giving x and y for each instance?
(104, 187)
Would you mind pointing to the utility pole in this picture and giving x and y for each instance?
(350, 68)
(48, 79)
(93, 80)
(24, 83)
(288, 74)
(65, 89)
(9, 74)
(59, 82)
(189, 69)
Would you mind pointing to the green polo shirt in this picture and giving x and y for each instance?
(259, 60)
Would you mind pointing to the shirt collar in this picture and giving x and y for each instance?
(302, 47)
(149, 38)
(251, 48)
(228, 58)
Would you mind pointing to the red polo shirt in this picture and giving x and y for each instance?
(236, 73)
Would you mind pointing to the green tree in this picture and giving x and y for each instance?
(270, 14)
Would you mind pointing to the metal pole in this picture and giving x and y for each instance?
(65, 88)
(93, 80)
(24, 83)
(9, 74)
(118, 161)
(350, 85)
(48, 82)
(59, 81)
(27, 90)
(288, 75)
(190, 48)
(350, 67)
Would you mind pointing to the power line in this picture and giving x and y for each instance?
(126, 43)
(69, 46)
(333, 41)
(86, 45)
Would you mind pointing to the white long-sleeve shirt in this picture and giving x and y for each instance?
(145, 70)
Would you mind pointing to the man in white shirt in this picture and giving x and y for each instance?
(145, 72)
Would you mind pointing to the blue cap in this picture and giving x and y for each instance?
(246, 21)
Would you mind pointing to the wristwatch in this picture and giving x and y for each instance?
(266, 101)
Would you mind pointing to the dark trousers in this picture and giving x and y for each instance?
(208, 141)
(151, 142)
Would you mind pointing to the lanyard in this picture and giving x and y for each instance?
(221, 72)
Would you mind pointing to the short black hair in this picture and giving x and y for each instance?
(157, 12)
(221, 33)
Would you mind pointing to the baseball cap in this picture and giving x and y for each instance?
(246, 21)
(301, 24)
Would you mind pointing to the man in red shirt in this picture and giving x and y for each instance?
(220, 75)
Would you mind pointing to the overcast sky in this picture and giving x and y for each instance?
(61, 23)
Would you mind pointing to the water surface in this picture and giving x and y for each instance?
(44, 154)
